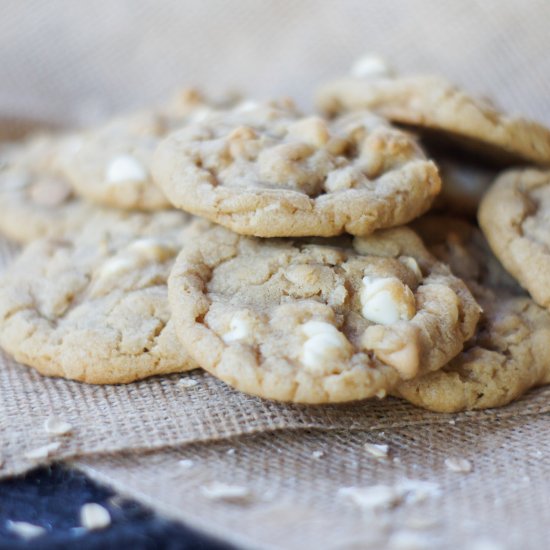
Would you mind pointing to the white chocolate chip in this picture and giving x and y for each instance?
(24, 530)
(57, 426)
(459, 465)
(324, 345)
(125, 168)
(312, 130)
(223, 491)
(239, 328)
(371, 66)
(93, 516)
(386, 300)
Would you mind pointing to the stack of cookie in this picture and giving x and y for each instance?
(289, 255)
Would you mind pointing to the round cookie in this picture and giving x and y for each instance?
(515, 217)
(443, 111)
(95, 308)
(267, 171)
(316, 321)
(510, 351)
(110, 165)
(36, 200)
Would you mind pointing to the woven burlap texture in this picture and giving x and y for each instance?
(293, 479)
(64, 63)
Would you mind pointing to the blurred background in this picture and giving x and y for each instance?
(76, 61)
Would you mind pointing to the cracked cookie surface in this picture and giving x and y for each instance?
(317, 321)
(510, 350)
(95, 308)
(36, 200)
(515, 217)
(111, 164)
(269, 172)
(432, 103)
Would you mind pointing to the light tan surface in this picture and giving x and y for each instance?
(265, 170)
(515, 218)
(317, 322)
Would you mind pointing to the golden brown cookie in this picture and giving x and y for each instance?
(111, 164)
(515, 217)
(95, 308)
(36, 199)
(434, 105)
(267, 171)
(317, 321)
(510, 350)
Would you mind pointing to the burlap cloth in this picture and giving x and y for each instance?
(70, 62)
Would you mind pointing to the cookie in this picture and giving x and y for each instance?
(267, 171)
(441, 110)
(317, 321)
(110, 165)
(515, 217)
(95, 308)
(510, 351)
(36, 200)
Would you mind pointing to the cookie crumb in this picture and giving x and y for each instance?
(317, 454)
(230, 452)
(377, 450)
(222, 491)
(187, 383)
(186, 463)
(24, 530)
(460, 465)
(42, 452)
(452, 422)
(374, 498)
(57, 426)
(93, 516)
